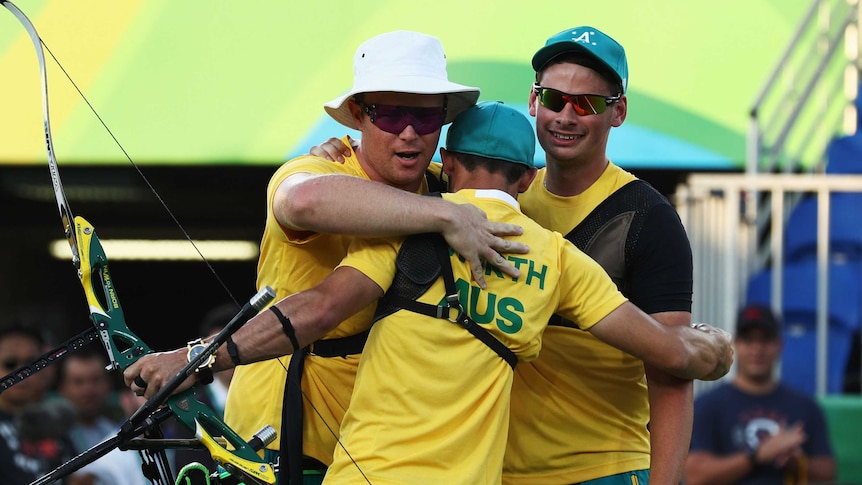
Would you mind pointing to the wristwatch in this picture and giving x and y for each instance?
(204, 370)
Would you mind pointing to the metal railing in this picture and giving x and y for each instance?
(723, 240)
(809, 97)
(808, 100)
(736, 222)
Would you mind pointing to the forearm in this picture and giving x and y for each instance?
(341, 204)
(671, 413)
(671, 401)
(261, 338)
(704, 468)
(312, 314)
(821, 469)
(666, 342)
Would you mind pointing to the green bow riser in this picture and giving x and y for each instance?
(125, 348)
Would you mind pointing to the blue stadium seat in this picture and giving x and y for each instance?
(845, 228)
(844, 155)
(799, 317)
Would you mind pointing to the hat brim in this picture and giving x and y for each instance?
(769, 329)
(459, 97)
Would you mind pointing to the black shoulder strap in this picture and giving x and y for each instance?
(454, 303)
(421, 260)
(435, 185)
(582, 234)
(604, 235)
(609, 232)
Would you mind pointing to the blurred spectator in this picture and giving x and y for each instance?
(87, 386)
(116, 467)
(33, 439)
(755, 430)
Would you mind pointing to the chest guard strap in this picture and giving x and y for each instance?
(420, 261)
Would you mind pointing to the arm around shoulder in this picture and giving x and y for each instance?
(312, 314)
(343, 204)
(685, 352)
(340, 204)
(705, 468)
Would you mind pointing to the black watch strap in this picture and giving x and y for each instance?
(205, 375)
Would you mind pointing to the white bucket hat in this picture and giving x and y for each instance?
(402, 62)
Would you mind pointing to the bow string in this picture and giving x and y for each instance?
(121, 344)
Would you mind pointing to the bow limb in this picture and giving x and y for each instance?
(62, 202)
(89, 259)
(121, 344)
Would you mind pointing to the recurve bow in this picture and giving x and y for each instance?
(123, 346)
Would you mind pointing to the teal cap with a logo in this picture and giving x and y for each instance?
(491, 129)
(588, 40)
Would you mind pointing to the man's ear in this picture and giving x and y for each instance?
(533, 99)
(527, 179)
(448, 159)
(620, 108)
(355, 112)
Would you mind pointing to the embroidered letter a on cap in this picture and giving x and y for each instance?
(583, 38)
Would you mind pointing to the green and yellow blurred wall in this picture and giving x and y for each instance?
(211, 82)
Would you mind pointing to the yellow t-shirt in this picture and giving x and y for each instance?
(579, 411)
(290, 265)
(432, 401)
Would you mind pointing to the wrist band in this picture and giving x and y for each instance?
(752, 457)
(287, 327)
(232, 351)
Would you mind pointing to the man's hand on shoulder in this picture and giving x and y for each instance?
(333, 149)
(476, 238)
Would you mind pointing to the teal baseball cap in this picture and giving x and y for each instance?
(491, 129)
(588, 40)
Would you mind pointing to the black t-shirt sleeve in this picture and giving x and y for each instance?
(660, 270)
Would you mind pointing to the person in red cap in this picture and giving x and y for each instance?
(754, 429)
